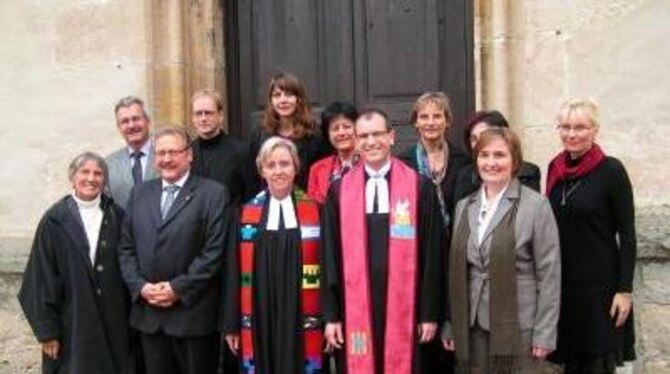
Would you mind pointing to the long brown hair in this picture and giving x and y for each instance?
(303, 124)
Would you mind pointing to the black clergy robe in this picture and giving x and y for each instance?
(431, 280)
(223, 159)
(65, 297)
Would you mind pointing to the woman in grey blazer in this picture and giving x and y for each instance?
(504, 267)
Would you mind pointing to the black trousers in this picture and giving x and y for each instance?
(164, 354)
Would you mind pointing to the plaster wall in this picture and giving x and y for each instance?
(614, 51)
(63, 66)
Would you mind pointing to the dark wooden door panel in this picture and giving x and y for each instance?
(372, 52)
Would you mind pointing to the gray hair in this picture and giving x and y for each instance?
(127, 101)
(273, 143)
(85, 157)
(177, 131)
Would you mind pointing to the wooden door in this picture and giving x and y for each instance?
(372, 52)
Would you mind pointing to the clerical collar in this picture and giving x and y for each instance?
(378, 173)
(377, 189)
(281, 208)
(146, 147)
(179, 183)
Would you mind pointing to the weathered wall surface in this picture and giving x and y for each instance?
(613, 51)
(63, 65)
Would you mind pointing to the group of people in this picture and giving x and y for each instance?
(315, 250)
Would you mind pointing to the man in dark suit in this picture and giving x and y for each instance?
(171, 256)
(134, 163)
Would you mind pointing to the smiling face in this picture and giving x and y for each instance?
(431, 122)
(173, 157)
(374, 140)
(207, 118)
(133, 124)
(279, 171)
(342, 134)
(495, 163)
(283, 102)
(577, 133)
(88, 180)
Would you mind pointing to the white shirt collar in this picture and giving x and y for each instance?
(487, 210)
(179, 183)
(381, 172)
(285, 206)
(146, 147)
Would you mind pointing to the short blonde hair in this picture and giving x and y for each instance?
(273, 143)
(218, 101)
(588, 107)
(438, 98)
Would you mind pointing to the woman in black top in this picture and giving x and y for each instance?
(433, 156)
(592, 200)
(287, 114)
(468, 180)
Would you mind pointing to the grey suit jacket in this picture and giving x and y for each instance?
(121, 177)
(538, 262)
(185, 249)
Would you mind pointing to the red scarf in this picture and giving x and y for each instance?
(402, 266)
(559, 169)
(308, 218)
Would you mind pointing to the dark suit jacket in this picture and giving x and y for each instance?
(185, 249)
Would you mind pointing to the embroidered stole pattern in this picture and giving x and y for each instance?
(308, 219)
(402, 277)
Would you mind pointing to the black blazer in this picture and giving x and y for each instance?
(185, 249)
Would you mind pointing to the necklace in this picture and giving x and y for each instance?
(570, 190)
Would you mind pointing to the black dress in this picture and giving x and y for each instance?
(277, 332)
(430, 297)
(311, 148)
(66, 297)
(596, 223)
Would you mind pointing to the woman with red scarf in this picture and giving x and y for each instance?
(592, 200)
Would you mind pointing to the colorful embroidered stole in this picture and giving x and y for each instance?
(308, 219)
(402, 268)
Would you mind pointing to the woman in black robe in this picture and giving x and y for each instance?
(272, 297)
(72, 293)
(592, 199)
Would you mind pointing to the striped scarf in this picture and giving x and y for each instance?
(308, 219)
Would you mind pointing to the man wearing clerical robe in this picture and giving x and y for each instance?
(382, 262)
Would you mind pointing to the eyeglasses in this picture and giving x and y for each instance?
(170, 152)
(371, 135)
(206, 113)
(578, 128)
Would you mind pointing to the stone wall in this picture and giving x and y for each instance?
(63, 66)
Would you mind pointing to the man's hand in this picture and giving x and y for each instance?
(448, 344)
(51, 348)
(621, 306)
(334, 336)
(541, 353)
(427, 331)
(233, 341)
(159, 294)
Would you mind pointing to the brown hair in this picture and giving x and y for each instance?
(303, 124)
(438, 98)
(510, 139)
